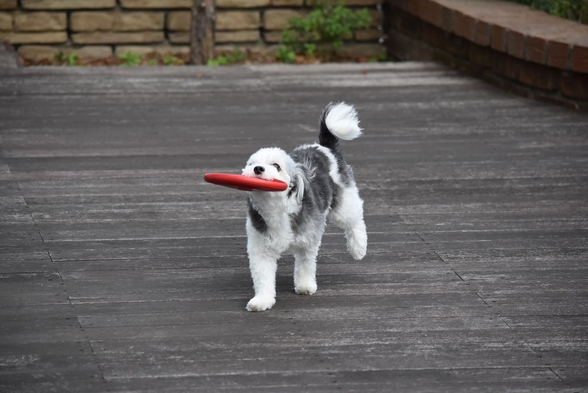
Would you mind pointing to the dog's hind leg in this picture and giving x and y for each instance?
(356, 236)
(305, 270)
(348, 215)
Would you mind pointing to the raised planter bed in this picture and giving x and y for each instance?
(517, 48)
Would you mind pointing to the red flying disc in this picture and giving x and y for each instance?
(244, 183)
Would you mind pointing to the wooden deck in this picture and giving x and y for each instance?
(121, 270)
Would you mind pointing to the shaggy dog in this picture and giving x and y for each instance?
(320, 186)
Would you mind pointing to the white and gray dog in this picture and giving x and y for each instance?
(320, 186)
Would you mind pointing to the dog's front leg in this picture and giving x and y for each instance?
(263, 271)
(263, 264)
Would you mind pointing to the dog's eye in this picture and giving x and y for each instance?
(277, 167)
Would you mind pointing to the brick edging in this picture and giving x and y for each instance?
(521, 49)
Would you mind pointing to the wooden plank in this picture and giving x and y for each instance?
(310, 355)
(574, 377)
(212, 246)
(210, 312)
(13, 236)
(516, 256)
(369, 381)
(179, 229)
(506, 244)
(451, 304)
(38, 317)
(187, 284)
(172, 211)
(48, 362)
(522, 379)
(32, 289)
(573, 206)
(401, 260)
(529, 303)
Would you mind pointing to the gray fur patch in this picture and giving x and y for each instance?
(336, 197)
(256, 219)
(344, 170)
(318, 193)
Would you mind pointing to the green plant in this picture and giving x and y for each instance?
(286, 54)
(219, 61)
(323, 31)
(72, 59)
(130, 59)
(170, 59)
(232, 57)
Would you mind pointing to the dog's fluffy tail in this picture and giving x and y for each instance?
(338, 121)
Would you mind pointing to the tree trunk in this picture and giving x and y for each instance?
(202, 32)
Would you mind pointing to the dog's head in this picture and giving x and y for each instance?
(269, 164)
(274, 163)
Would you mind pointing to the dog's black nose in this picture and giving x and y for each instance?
(258, 170)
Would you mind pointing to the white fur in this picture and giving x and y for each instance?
(276, 208)
(342, 121)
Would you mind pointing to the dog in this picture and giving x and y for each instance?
(320, 187)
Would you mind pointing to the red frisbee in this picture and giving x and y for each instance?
(244, 183)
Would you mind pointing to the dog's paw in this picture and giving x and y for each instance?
(260, 303)
(306, 288)
(357, 242)
(358, 252)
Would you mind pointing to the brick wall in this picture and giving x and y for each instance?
(96, 29)
(519, 49)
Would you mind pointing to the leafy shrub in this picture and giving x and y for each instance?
(576, 10)
(571, 9)
(286, 54)
(323, 31)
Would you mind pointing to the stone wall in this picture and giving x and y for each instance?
(97, 29)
